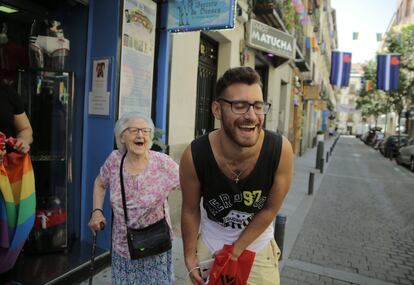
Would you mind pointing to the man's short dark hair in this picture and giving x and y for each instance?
(242, 74)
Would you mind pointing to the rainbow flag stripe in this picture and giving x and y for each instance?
(17, 206)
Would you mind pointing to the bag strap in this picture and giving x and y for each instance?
(121, 176)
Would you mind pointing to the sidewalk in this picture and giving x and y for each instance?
(295, 208)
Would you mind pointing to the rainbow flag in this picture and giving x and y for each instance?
(355, 36)
(379, 37)
(17, 206)
(368, 85)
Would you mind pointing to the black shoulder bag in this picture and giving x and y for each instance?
(151, 240)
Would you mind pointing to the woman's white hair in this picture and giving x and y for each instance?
(122, 124)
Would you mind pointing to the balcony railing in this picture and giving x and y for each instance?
(300, 38)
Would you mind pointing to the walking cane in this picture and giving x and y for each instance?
(101, 226)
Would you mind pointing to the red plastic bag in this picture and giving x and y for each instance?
(227, 271)
(6, 141)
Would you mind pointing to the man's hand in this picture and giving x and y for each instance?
(194, 271)
(2, 153)
(21, 146)
(2, 146)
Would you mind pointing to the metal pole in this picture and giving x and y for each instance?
(311, 182)
(319, 154)
(279, 233)
(321, 164)
(327, 156)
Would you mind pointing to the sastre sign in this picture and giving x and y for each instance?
(268, 39)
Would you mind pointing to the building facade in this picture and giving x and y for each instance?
(171, 77)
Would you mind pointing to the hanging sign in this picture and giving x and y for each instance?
(311, 92)
(195, 15)
(268, 39)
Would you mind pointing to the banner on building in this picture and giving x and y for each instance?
(388, 71)
(196, 15)
(340, 68)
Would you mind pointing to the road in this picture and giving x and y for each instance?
(360, 226)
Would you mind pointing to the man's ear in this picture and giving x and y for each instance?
(216, 110)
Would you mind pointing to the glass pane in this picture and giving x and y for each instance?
(47, 95)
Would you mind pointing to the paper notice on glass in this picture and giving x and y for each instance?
(100, 75)
(99, 103)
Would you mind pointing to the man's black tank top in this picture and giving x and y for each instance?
(226, 202)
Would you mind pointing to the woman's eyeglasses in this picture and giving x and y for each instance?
(242, 107)
(135, 131)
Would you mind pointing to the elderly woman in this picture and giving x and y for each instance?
(148, 178)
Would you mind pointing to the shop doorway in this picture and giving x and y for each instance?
(206, 80)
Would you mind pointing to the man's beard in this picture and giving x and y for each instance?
(230, 132)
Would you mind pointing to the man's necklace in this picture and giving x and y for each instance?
(236, 174)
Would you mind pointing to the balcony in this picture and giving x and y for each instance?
(268, 11)
(281, 15)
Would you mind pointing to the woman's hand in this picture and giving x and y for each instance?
(97, 222)
(21, 146)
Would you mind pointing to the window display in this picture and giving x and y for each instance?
(48, 47)
(48, 97)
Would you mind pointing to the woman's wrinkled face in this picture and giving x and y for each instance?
(137, 136)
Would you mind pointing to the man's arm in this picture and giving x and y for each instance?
(280, 187)
(24, 133)
(190, 213)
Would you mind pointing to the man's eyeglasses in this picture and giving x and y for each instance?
(135, 131)
(242, 107)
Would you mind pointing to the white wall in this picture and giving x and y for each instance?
(183, 79)
(183, 87)
(276, 76)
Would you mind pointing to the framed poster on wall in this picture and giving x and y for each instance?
(137, 56)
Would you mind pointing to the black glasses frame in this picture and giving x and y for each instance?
(134, 131)
(265, 106)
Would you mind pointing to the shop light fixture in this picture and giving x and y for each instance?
(8, 9)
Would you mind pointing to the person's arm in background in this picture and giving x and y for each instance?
(97, 217)
(190, 214)
(281, 184)
(24, 133)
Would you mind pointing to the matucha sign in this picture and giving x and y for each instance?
(266, 38)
